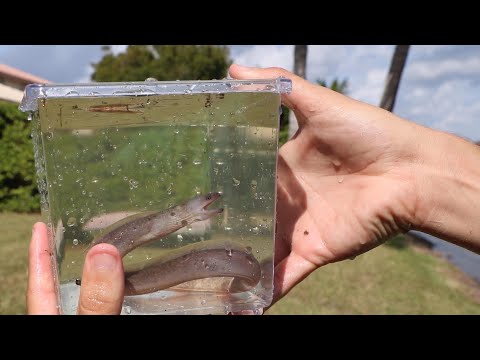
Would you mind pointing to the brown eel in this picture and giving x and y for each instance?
(191, 262)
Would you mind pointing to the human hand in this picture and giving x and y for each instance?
(102, 280)
(345, 180)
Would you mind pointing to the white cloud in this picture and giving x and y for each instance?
(85, 77)
(437, 68)
(371, 90)
(117, 49)
(266, 56)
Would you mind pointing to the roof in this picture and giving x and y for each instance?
(20, 75)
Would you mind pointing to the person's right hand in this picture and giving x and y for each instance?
(347, 180)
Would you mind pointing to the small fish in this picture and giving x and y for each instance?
(191, 262)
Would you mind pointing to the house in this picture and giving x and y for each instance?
(13, 82)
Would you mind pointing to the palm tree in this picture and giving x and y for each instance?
(336, 85)
(299, 68)
(397, 64)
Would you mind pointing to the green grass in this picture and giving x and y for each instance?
(15, 233)
(395, 278)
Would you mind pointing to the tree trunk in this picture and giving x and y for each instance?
(299, 68)
(399, 59)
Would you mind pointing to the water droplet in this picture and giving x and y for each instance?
(75, 241)
(236, 182)
(197, 162)
(340, 179)
(179, 237)
(71, 221)
(128, 309)
(228, 248)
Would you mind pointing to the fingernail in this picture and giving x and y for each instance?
(104, 262)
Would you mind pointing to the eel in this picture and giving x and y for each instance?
(191, 262)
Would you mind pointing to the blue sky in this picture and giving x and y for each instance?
(440, 87)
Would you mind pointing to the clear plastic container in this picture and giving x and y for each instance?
(181, 176)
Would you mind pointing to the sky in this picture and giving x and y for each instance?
(440, 86)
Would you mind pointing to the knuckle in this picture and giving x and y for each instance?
(278, 71)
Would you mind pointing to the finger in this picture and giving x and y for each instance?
(102, 282)
(41, 294)
(305, 97)
(288, 273)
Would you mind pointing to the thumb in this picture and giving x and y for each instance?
(304, 98)
(102, 282)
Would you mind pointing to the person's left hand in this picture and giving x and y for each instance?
(102, 280)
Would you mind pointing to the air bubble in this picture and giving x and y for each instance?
(133, 184)
(75, 241)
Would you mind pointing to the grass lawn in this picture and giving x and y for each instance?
(395, 278)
